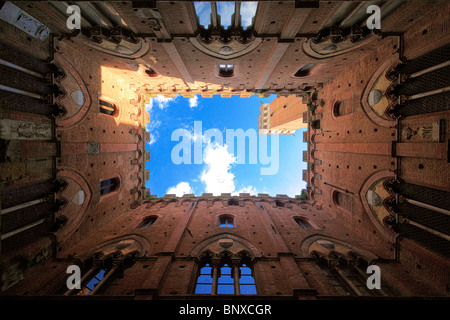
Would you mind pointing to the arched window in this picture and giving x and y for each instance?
(93, 281)
(279, 203)
(303, 223)
(98, 273)
(225, 276)
(108, 185)
(147, 222)
(226, 222)
(342, 107)
(305, 70)
(343, 201)
(151, 73)
(246, 280)
(107, 108)
(225, 282)
(204, 280)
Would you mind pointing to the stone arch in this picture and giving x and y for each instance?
(378, 218)
(379, 80)
(87, 101)
(238, 49)
(229, 242)
(327, 49)
(67, 175)
(135, 53)
(124, 246)
(312, 243)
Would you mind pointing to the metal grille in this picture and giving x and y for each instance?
(428, 60)
(24, 238)
(434, 103)
(424, 238)
(23, 81)
(428, 218)
(18, 102)
(13, 197)
(22, 59)
(427, 82)
(16, 219)
(434, 197)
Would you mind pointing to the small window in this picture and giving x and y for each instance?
(343, 201)
(233, 202)
(108, 108)
(226, 222)
(279, 203)
(151, 73)
(147, 222)
(108, 185)
(226, 70)
(304, 70)
(342, 107)
(315, 124)
(303, 223)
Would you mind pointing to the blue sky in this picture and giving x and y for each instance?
(219, 170)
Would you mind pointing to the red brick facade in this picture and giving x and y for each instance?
(73, 176)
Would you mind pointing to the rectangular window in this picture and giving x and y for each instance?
(226, 222)
(226, 70)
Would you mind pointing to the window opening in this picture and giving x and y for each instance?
(108, 185)
(225, 283)
(107, 107)
(226, 70)
(204, 281)
(226, 222)
(147, 222)
(246, 280)
(303, 223)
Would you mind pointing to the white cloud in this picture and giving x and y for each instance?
(248, 189)
(193, 102)
(153, 129)
(217, 176)
(162, 101)
(180, 189)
